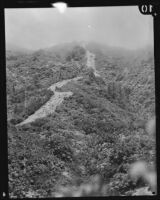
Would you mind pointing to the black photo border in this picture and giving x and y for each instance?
(9, 4)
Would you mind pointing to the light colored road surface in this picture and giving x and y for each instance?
(91, 62)
(58, 97)
(52, 104)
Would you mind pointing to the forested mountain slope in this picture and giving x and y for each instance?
(99, 129)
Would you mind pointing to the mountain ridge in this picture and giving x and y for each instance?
(98, 129)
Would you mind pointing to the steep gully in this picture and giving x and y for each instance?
(58, 97)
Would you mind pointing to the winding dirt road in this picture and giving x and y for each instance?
(58, 97)
(52, 104)
(91, 62)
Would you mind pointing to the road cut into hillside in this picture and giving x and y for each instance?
(91, 62)
(51, 105)
(58, 97)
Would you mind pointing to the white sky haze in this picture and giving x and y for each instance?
(116, 26)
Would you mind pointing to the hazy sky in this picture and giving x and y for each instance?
(116, 26)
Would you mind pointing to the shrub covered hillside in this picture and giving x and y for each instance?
(98, 131)
(29, 76)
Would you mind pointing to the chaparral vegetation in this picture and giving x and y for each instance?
(97, 130)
